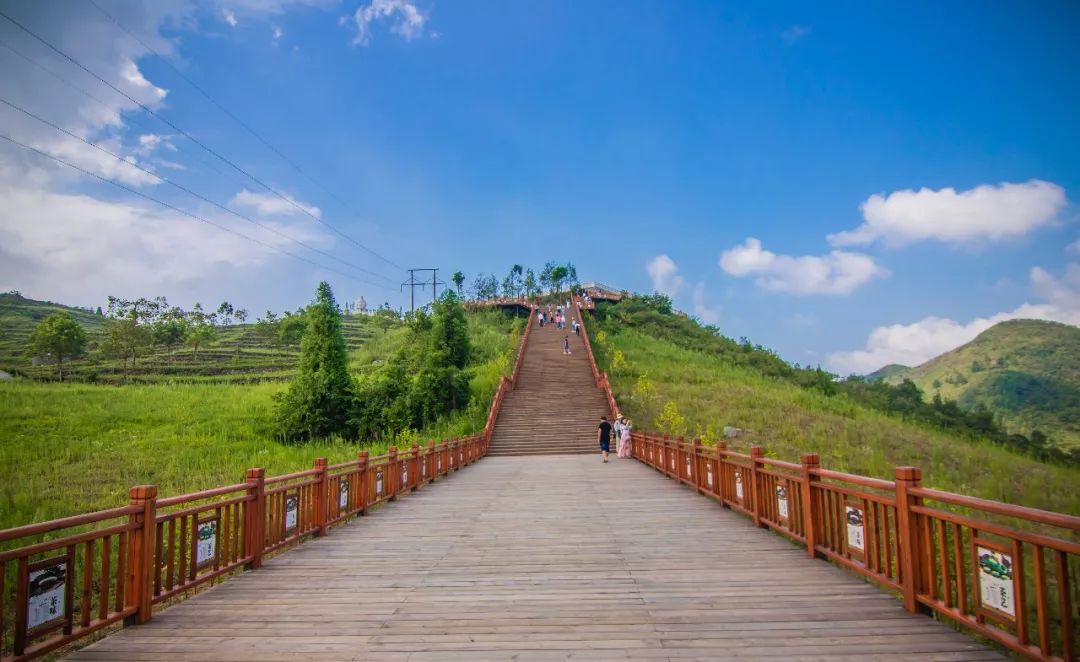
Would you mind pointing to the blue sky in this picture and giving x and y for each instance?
(723, 153)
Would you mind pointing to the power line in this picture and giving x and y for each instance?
(187, 135)
(166, 180)
(95, 99)
(184, 212)
(220, 107)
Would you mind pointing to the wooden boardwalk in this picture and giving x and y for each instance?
(543, 558)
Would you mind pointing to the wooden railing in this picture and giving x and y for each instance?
(1006, 572)
(115, 565)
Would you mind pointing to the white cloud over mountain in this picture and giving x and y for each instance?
(836, 273)
(918, 342)
(985, 212)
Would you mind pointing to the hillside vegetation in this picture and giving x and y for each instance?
(1025, 371)
(673, 375)
(74, 447)
(240, 353)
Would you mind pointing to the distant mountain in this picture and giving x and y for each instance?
(891, 372)
(1026, 371)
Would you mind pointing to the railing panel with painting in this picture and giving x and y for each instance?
(71, 585)
(1014, 585)
(199, 537)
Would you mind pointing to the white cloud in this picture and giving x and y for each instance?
(984, 212)
(796, 33)
(151, 142)
(85, 248)
(408, 20)
(837, 273)
(916, 343)
(277, 33)
(268, 204)
(1074, 247)
(704, 312)
(665, 275)
(229, 16)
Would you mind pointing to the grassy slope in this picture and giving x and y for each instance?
(1026, 370)
(68, 448)
(788, 420)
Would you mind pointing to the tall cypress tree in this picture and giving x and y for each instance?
(318, 401)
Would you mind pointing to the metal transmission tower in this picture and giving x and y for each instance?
(412, 284)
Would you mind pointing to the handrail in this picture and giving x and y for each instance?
(155, 550)
(1012, 585)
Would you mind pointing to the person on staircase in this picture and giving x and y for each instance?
(625, 447)
(603, 435)
(566, 344)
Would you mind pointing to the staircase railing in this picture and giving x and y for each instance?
(600, 379)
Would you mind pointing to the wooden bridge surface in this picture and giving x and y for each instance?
(543, 558)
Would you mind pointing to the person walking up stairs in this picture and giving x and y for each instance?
(556, 404)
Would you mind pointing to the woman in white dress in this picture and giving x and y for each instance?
(625, 441)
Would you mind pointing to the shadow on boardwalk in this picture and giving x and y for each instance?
(543, 558)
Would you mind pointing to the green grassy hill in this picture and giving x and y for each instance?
(670, 374)
(238, 355)
(1025, 371)
(187, 423)
(893, 371)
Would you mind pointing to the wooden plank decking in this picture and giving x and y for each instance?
(543, 558)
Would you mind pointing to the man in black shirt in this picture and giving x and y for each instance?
(603, 435)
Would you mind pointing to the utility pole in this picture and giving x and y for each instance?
(412, 284)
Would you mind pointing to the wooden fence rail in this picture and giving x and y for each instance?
(1008, 573)
(115, 565)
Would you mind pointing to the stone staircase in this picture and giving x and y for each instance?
(555, 407)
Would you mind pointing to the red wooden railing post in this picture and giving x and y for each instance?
(392, 475)
(362, 474)
(720, 448)
(811, 515)
(429, 462)
(139, 583)
(414, 472)
(907, 529)
(754, 493)
(681, 460)
(698, 473)
(321, 496)
(255, 517)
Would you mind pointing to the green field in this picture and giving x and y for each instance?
(709, 392)
(76, 447)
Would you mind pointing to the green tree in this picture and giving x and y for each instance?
(200, 329)
(459, 282)
(59, 335)
(124, 339)
(485, 287)
(559, 275)
(290, 329)
(530, 284)
(318, 401)
(384, 318)
(442, 385)
(670, 420)
(170, 328)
